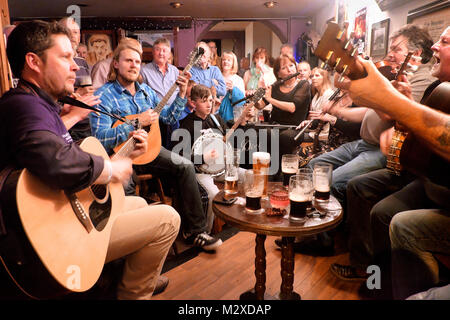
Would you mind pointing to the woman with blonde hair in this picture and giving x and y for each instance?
(235, 87)
(321, 90)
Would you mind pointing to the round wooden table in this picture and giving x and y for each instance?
(264, 225)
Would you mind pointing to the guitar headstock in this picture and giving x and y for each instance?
(195, 55)
(338, 52)
(258, 95)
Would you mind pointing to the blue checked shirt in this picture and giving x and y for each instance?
(119, 101)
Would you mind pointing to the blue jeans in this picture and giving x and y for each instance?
(363, 192)
(350, 160)
(415, 236)
(187, 199)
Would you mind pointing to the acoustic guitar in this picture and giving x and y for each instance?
(63, 237)
(411, 153)
(154, 133)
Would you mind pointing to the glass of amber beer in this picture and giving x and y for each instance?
(231, 172)
(289, 167)
(322, 176)
(300, 196)
(253, 188)
(261, 164)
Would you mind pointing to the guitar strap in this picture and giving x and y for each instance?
(3, 176)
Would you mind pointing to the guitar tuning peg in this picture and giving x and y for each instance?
(341, 77)
(338, 60)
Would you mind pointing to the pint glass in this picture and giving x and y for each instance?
(289, 167)
(300, 196)
(261, 164)
(322, 181)
(231, 172)
(253, 188)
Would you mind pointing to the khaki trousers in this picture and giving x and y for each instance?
(142, 234)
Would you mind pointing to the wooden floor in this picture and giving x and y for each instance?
(226, 274)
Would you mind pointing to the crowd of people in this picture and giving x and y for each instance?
(394, 221)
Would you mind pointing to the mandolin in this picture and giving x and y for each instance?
(154, 133)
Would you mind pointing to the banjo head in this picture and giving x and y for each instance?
(204, 145)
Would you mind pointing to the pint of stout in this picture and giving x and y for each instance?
(299, 205)
(322, 181)
(322, 188)
(252, 201)
(231, 185)
(287, 174)
(300, 196)
(261, 164)
(253, 188)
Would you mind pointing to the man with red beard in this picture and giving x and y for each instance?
(123, 95)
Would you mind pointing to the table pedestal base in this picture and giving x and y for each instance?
(287, 272)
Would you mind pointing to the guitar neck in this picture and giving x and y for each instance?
(172, 89)
(126, 149)
(238, 121)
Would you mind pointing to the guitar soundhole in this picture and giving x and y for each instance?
(100, 213)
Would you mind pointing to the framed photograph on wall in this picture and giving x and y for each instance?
(100, 44)
(379, 39)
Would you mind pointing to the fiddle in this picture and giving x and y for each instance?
(387, 69)
(392, 70)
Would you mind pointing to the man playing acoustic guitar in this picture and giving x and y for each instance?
(123, 96)
(35, 138)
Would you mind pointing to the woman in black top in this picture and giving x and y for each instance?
(290, 101)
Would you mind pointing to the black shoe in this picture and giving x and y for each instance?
(314, 247)
(347, 273)
(161, 284)
(204, 241)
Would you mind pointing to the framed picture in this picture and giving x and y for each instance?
(435, 17)
(379, 38)
(359, 31)
(100, 44)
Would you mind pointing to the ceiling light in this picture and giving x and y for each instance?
(176, 5)
(270, 4)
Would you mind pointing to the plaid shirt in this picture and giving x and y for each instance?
(117, 100)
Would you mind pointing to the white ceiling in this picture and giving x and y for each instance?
(228, 9)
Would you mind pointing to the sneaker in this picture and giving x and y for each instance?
(204, 241)
(347, 273)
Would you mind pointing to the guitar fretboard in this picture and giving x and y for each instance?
(126, 149)
(172, 89)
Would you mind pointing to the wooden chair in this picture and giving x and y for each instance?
(142, 191)
(142, 187)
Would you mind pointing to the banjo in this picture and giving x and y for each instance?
(211, 140)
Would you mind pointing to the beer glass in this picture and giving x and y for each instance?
(231, 171)
(300, 196)
(253, 188)
(289, 167)
(322, 175)
(85, 81)
(261, 164)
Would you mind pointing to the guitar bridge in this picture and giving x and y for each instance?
(80, 213)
